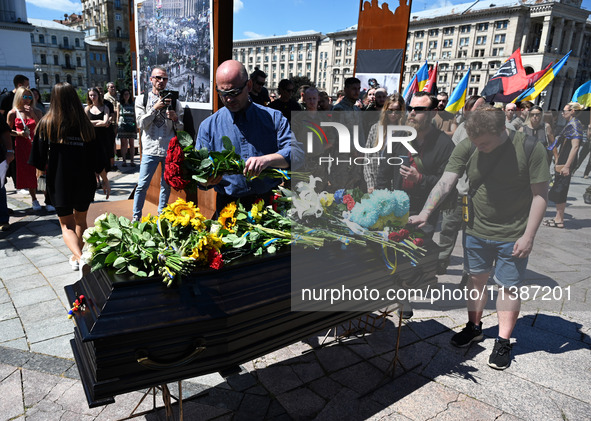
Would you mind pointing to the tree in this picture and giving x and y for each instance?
(300, 81)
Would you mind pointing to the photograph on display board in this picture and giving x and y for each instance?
(177, 35)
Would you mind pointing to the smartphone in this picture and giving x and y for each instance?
(405, 160)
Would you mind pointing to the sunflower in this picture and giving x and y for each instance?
(226, 218)
(184, 213)
(257, 211)
(205, 244)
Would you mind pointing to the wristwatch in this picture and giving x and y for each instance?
(9, 150)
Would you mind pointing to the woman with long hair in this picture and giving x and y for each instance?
(393, 113)
(126, 130)
(65, 144)
(22, 119)
(99, 116)
(570, 139)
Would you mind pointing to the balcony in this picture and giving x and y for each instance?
(68, 67)
(66, 47)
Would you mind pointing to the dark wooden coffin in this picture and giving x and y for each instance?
(135, 333)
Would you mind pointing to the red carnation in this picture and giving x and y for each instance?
(275, 201)
(349, 201)
(418, 242)
(175, 152)
(395, 236)
(173, 174)
(404, 233)
(215, 259)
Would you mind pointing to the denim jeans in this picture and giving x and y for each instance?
(4, 217)
(148, 167)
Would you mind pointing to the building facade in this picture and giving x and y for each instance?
(16, 55)
(59, 55)
(481, 35)
(97, 68)
(478, 35)
(107, 21)
(281, 57)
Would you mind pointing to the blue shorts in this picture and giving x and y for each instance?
(480, 255)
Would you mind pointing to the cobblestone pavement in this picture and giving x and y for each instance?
(548, 379)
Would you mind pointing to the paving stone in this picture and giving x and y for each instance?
(325, 387)
(33, 296)
(467, 408)
(221, 398)
(53, 308)
(241, 382)
(13, 357)
(335, 357)
(124, 405)
(49, 328)
(15, 260)
(11, 404)
(278, 379)
(58, 347)
(11, 329)
(301, 403)
(275, 410)
(25, 283)
(308, 371)
(19, 343)
(254, 406)
(4, 297)
(45, 410)
(7, 311)
(211, 380)
(360, 377)
(47, 364)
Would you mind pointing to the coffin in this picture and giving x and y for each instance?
(135, 333)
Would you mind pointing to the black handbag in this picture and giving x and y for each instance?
(559, 189)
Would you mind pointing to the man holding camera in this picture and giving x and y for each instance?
(159, 115)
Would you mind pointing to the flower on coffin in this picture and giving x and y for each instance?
(256, 212)
(226, 218)
(349, 201)
(308, 203)
(184, 213)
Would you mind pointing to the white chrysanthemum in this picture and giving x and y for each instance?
(88, 232)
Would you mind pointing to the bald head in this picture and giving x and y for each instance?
(231, 71)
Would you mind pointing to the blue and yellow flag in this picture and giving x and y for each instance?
(458, 97)
(423, 76)
(583, 94)
(417, 83)
(544, 81)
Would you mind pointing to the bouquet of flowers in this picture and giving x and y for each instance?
(187, 166)
(171, 244)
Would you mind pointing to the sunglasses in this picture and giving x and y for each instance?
(159, 78)
(27, 97)
(260, 83)
(232, 93)
(417, 109)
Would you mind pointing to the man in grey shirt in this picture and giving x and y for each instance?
(158, 119)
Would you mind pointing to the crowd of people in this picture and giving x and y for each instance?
(484, 172)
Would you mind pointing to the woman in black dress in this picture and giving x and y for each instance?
(65, 144)
(99, 116)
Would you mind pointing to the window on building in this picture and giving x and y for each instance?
(479, 53)
(338, 53)
(464, 42)
(338, 43)
(282, 57)
(349, 51)
(448, 43)
(432, 44)
(66, 42)
(92, 70)
(462, 53)
(433, 32)
(54, 40)
(500, 39)
(465, 29)
(45, 79)
(337, 62)
(481, 40)
(494, 64)
(482, 26)
(43, 59)
(448, 31)
(80, 82)
(104, 57)
(77, 42)
(56, 60)
(41, 39)
(309, 55)
(91, 56)
(69, 79)
(502, 24)
(418, 46)
(57, 78)
(419, 34)
(118, 4)
(347, 61)
(300, 56)
(418, 55)
(32, 38)
(476, 65)
(475, 79)
(498, 51)
(432, 55)
(459, 66)
(291, 56)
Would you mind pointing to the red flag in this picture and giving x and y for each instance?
(508, 82)
(431, 85)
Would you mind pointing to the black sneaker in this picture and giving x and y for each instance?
(500, 358)
(471, 333)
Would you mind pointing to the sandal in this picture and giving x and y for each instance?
(553, 224)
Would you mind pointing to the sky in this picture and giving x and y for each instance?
(255, 18)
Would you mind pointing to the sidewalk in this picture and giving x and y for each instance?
(548, 379)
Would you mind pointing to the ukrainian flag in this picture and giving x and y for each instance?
(458, 97)
(423, 76)
(544, 81)
(583, 94)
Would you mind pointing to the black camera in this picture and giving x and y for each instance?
(172, 95)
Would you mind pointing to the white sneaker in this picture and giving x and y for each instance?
(49, 208)
(36, 205)
(74, 263)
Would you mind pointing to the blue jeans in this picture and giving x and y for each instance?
(148, 167)
(4, 217)
(481, 254)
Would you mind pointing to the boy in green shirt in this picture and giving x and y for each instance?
(509, 203)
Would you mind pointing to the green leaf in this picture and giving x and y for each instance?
(185, 139)
(116, 232)
(132, 268)
(239, 242)
(227, 143)
(120, 262)
(150, 243)
(110, 258)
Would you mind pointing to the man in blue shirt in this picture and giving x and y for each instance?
(261, 136)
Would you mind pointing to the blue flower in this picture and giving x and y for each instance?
(338, 196)
(364, 214)
(402, 203)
